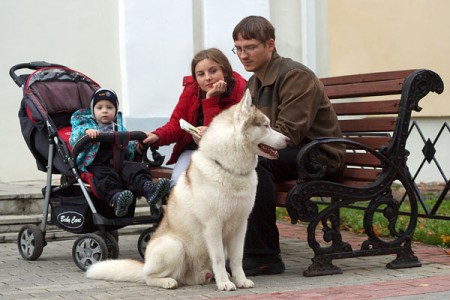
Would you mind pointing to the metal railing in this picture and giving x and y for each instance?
(429, 156)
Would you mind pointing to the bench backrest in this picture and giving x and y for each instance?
(373, 109)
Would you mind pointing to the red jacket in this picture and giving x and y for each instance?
(188, 109)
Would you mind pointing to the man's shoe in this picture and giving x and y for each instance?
(255, 265)
(154, 192)
(121, 201)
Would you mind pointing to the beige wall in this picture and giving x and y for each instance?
(384, 35)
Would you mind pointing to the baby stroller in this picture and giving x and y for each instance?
(50, 95)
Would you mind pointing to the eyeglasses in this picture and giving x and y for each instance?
(246, 49)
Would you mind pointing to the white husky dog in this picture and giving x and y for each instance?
(207, 211)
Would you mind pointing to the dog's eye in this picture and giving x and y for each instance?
(262, 123)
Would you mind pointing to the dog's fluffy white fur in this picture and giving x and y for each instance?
(206, 216)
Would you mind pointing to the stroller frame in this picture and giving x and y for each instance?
(99, 239)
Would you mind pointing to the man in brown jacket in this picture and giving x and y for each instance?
(294, 99)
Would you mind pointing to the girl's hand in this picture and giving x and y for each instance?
(218, 89)
(151, 138)
(92, 133)
(202, 130)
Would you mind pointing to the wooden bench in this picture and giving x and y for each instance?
(374, 113)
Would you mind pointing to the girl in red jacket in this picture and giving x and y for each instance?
(213, 87)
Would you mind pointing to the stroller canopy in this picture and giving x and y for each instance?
(50, 96)
(55, 91)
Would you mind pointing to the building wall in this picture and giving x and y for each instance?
(377, 35)
(143, 48)
(374, 35)
(81, 34)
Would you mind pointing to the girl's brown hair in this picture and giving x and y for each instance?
(218, 57)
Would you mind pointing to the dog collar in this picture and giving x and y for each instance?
(231, 171)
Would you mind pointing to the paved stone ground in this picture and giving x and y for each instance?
(55, 276)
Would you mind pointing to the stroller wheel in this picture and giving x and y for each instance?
(144, 238)
(30, 242)
(112, 246)
(115, 234)
(112, 243)
(89, 249)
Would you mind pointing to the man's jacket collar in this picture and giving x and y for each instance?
(272, 70)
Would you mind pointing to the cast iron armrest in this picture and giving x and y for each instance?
(308, 162)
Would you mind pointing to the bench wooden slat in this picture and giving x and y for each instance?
(354, 183)
(386, 124)
(365, 89)
(280, 199)
(361, 160)
(161, 173)
(377, 76)
(374, 142)
(285, 186)
(361, 174)
(367, 108)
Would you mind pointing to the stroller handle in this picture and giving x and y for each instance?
(35, 65)
(113, 139)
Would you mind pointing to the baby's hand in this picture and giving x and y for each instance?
(92, 133)
(139, 148)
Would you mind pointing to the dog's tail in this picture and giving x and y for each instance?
(117, 270)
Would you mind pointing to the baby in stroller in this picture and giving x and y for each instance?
(117, 187)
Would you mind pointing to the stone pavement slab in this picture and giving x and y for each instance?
(55, 276)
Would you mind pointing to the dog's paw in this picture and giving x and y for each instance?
(246, 284)
(170, 284)
(166, 283)
(226, 286)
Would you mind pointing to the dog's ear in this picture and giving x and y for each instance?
(245, 106)
(244, 112)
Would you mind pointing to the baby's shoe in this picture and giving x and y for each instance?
(154, 192)
(121, 201)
